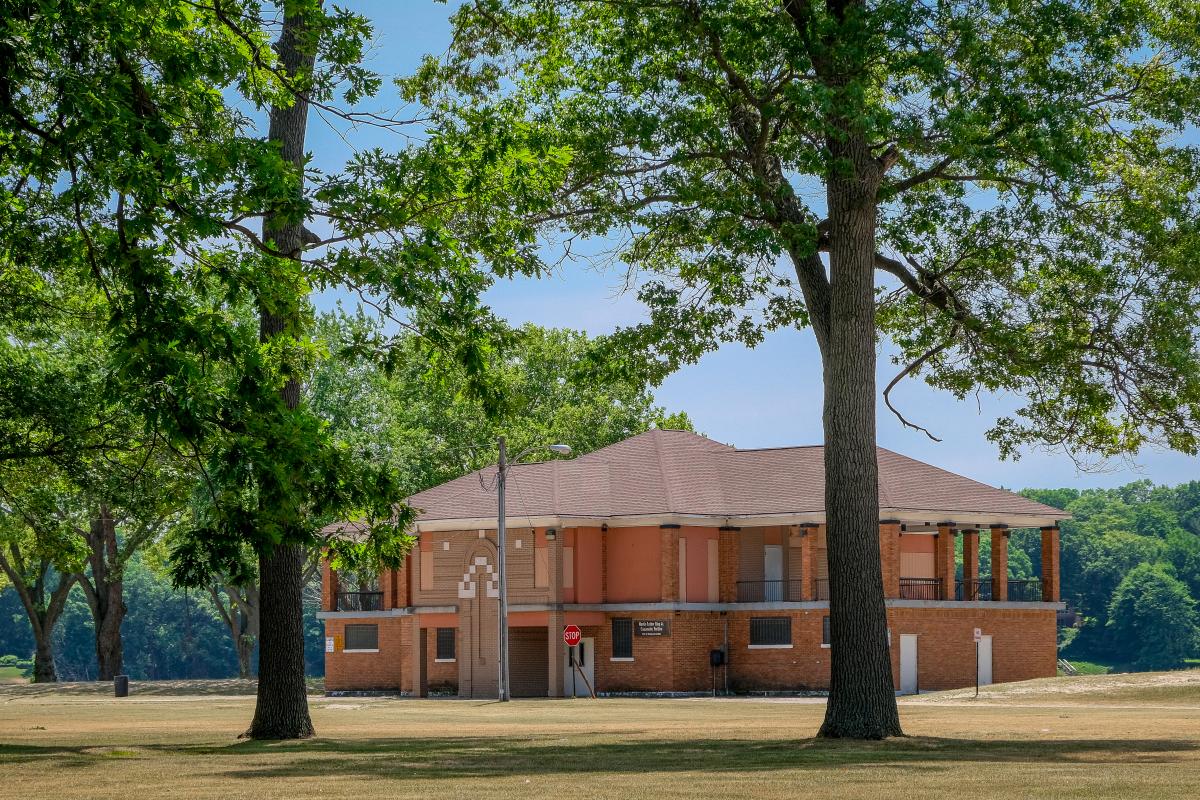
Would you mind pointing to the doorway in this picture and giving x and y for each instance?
(583, 655)
(908, 664)
(772, 573)
(985, 661)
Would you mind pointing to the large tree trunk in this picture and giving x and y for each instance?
(241, 617)
(862, 701)
(282, 708)
(43, 611)
(43, 657)
(106, 593)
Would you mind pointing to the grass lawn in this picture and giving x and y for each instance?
(1136, 738)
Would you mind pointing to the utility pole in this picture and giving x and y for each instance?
(501, 480)
(500, 549)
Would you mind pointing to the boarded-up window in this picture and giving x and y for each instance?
(445, 644)
(568, 567)
(682, 570)
(770, 631)
(714, 572)
(426, 570)
(541, 568)
(362, 637)
(825, 631)
(622, 638)
(917, 565)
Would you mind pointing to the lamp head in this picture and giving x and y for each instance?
(561, 449)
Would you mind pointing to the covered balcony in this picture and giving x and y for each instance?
(787, 564)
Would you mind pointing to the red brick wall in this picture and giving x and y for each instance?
(380, 671)
(1023, 647)
(1024, 644)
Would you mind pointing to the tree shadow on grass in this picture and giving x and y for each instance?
(448, 758)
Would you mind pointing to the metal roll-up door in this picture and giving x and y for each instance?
(529, 662)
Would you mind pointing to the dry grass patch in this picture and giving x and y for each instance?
(159, 745)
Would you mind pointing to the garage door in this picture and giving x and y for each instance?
(528, 662)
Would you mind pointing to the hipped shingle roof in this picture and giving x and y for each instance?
(664, 472)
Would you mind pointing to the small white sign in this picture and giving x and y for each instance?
(978, 635)
(328, 644)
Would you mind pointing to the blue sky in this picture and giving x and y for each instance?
(766, 397)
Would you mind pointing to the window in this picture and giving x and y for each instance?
(362, 637)
(770, 632)
(445, 644)
(825, 632)
(622, 638)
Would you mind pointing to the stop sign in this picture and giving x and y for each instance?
(572, 635)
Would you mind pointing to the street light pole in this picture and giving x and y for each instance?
(500, 564)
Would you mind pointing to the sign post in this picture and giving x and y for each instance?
(572, 636)
(978, 639)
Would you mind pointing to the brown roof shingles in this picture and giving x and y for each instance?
(679, 472)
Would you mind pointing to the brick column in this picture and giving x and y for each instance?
(1051, 590)
(557, 619)
(329, 587)
(387, 587)
(669, 567)
(944, 559)
(808, 569)
(403, 579)
(970, 563)
(727, 565)
(418, 680)
(889, 556)
(1000, 563)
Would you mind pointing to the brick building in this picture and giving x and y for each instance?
(667, 546)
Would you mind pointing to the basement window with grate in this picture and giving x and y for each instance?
(362, 638)
(770, 631)
(445, 644)
(622, 640)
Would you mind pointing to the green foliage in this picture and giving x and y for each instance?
(1035, 211)
(1152, 619)
(420, 418)
(130, 163)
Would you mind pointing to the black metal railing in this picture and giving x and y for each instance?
(921, 588)
(1026, 591)
(973, 589)
(358, 601)
(769, 591)
(1023, 591)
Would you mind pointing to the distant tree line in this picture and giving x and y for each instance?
(1130, 566)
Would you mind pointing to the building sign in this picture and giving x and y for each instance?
(652, 627)
(329, 644)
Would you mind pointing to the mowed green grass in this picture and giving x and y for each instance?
(1041, 739)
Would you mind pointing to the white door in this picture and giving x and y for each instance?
(908, 663)
(772, 573)
(985, 661)
(584, 656)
